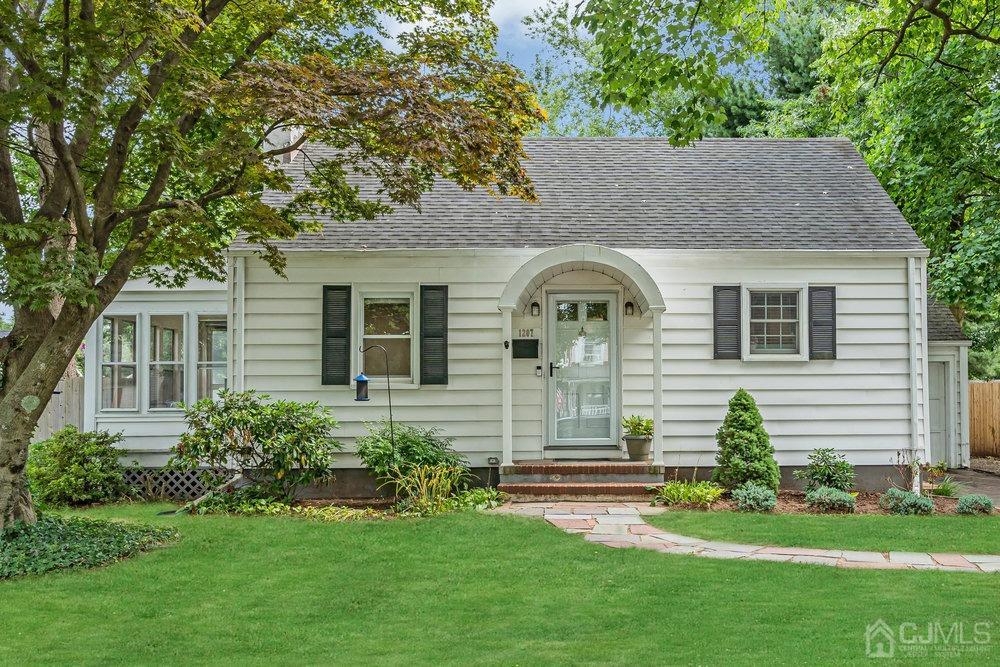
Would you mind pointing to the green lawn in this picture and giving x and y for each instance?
(459, 589)
(862, 532)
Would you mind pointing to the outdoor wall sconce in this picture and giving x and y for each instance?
(629, 309)
(362, 388)
(536, 310)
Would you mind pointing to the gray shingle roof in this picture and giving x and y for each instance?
(941, 324)
(643, 193)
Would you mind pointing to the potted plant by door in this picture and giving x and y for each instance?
(638, 436)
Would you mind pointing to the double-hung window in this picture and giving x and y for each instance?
(774, 322)
(118, 362)
(166, 361)
(387, 320)
(213, 341)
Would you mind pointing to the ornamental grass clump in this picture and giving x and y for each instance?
(753, 497)
(745, 450)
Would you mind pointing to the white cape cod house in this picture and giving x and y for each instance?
(647, 279)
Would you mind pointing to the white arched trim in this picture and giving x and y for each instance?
(527, 280)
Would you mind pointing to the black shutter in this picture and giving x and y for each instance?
(726, 300)
(433, 334)
(336, 368)
(822, 322)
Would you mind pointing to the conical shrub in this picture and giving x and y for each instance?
(745, 451)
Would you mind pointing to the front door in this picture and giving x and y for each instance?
(582, 369)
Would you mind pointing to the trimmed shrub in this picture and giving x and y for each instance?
(688, 493)
(57, 543)
(277, 446)
(827, 468)
(898, 501)
(414, 446)
(77, 468)
(975, 504)
(745, 450)
(828, 499)
(752, 497)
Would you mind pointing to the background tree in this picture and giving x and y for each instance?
(134, 141)
(913, 84)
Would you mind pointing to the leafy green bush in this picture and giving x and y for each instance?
(898, 501)
(745, 450)
(975, 504)
(278, 446)
(828, 499)
(638, 426)
(55, 543)
(427, 489)
(827, 468)
(752, 497)
(414, 446)
(688, 493)
(479, 498)
(77, 468)
(947, 487)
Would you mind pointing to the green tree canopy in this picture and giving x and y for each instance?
(135, 139)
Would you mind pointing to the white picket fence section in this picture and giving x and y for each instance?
(65, 408)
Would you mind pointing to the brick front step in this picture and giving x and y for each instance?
(580, 490)
(584, 468)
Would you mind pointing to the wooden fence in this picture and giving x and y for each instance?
(65, 408)
(984, 418)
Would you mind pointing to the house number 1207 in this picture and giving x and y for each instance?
(525, 333)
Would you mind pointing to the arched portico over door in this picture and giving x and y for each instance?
(639, 288)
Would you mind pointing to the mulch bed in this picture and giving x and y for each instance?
(794, 502)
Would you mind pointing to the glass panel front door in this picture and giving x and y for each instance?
(582, 355)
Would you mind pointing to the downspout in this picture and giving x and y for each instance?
(911, 298)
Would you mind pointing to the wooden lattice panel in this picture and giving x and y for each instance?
(165, 483)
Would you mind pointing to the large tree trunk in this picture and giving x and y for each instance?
(31, 373)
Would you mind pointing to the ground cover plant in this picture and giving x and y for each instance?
(751, 497)
(975, 504)
(826, 499)
(514, 589)
(57, 543)
(76, 468)
(677, 492)
(898, 501)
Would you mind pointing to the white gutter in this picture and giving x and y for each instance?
(911, 298)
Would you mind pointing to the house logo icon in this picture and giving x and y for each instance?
(880, 640)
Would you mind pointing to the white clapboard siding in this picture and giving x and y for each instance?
(858, 403)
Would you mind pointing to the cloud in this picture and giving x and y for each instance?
(508, 13)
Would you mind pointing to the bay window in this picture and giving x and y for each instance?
(166, 361)
(213, 341)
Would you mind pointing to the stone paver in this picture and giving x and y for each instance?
(620, 525)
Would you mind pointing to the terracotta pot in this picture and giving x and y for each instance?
(638, 447)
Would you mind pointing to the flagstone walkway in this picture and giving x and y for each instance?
(622, 525)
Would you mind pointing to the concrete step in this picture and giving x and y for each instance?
(603, 491)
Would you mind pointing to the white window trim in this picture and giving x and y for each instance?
(363, 292)
(195, 353)
(136, 363)
(803, 291)
(146, 335)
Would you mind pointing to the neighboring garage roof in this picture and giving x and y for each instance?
(769, 194)
(941, 324)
